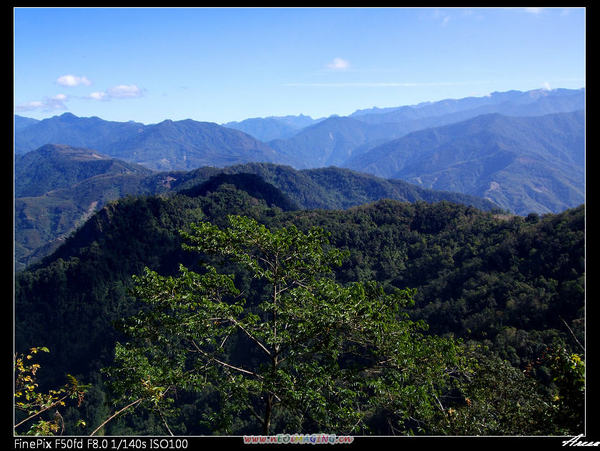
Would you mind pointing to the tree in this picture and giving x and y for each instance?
(496, 398)
(296, 351)
(568, 404)
(32, 406)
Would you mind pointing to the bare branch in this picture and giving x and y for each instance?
(572, 334)
(220, 362)
(225, 339)
(252, 337)
(115, 414)
(165, 422)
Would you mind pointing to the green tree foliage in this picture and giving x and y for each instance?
(568, 370)
(250, 183)
(495, 398)
(308, 354)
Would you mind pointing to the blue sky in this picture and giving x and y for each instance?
(229, 64)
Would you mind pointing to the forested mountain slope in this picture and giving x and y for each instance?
(58, 187)
(510, 283)
(58, 166)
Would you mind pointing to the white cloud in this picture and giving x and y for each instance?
(97, 95)
(118, 92)
(125, 91)
(56, 102)
(29, 106)
(72, 80)
(338, 64)
(534, 10)
(546, 86)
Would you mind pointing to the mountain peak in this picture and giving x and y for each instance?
(68, 116)
(53, 147)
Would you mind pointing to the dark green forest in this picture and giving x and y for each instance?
(72, 184)
(508, 291)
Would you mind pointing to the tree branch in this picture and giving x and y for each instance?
(252, 337)
(220, 362)
(115, 414)
(572, 334)
(165, 422)
(40, 412)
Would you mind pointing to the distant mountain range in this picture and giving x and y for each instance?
(518, 149)
(428, 114)
(167, 145)
(274, 127)
(525, 164)
(58, 188)
(511, 103)
(333, 141)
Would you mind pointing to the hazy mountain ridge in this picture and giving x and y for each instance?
(167, 145)
(274, 127)
(188, 144)
(87, 132)
(356, 141)
(529, 164)
(529, 103)
(21, 122)
(333, 141)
